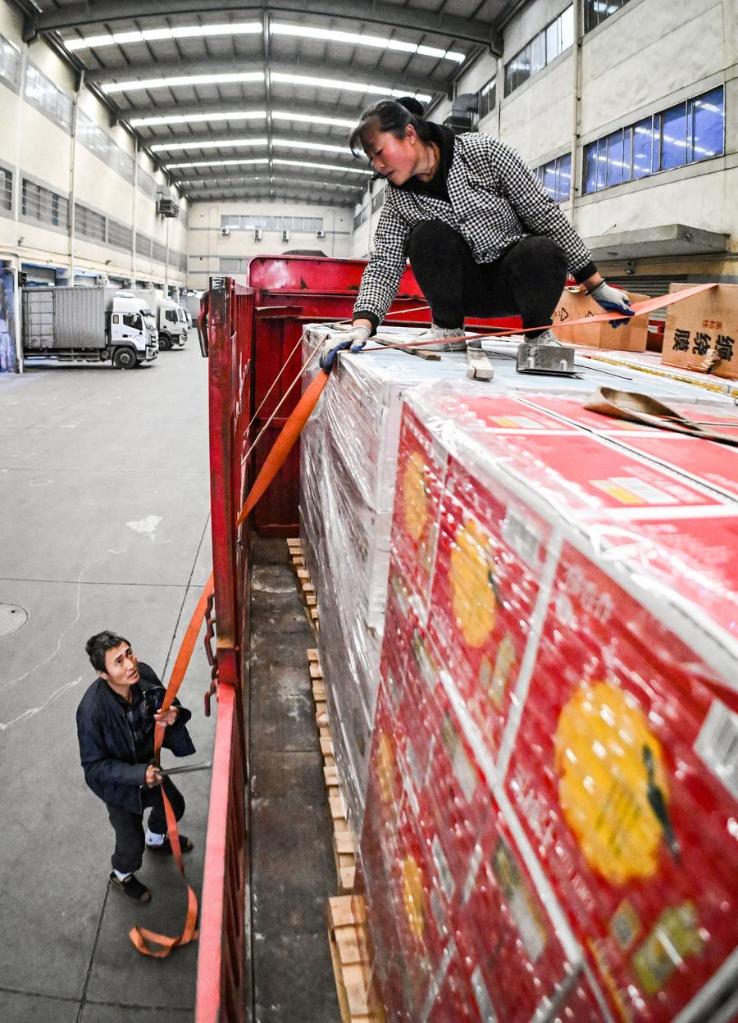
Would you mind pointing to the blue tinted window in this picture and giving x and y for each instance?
(614, 144)
(642, 147)
(674, 137)
(627, 153)
(707, 128)
(590, 169)
(564, 177)
(549, 178)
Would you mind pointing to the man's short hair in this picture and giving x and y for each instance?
(97, 646)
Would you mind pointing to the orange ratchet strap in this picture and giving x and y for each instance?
(641, 308)
(140, 936)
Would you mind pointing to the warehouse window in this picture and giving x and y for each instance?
(50, 100)
(248, 221)
(119, 236)
(487, 99)
(159, 252)
(685, 133)
(143, 244)
(555, 176)
(89, 223)
(101, 145)
(38, 203)
(378, 201)
(146, 183)
(6, 189)
(361, 218)
(597, 11)
(231, 265)
(10, 63)
(540, 51)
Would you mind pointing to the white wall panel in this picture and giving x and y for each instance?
(537, 118)
(645, 54)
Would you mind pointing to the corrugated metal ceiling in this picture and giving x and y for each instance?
(293, 68)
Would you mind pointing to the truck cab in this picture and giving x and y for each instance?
(172, 331)
(132, 327)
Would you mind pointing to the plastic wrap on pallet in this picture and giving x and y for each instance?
(552, 804)
(348, 465)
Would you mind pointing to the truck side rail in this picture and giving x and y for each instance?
(226, 327)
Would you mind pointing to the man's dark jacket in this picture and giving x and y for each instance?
(106, 743)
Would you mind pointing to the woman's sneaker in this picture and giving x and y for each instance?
(131, 886)
(450, 339)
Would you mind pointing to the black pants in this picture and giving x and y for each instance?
(128, 827)
(527, 280)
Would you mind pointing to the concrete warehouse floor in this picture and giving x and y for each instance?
(104, 492)
(105, 505)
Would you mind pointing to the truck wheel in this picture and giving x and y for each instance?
(124, 358)
(164, 343)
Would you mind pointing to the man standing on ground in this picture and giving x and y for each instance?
(115, 726)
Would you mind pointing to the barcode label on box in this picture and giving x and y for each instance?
(717, 745)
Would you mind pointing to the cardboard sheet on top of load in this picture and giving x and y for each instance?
(555, 742)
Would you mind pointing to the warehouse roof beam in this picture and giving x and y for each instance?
(83, 15)
(156, 120)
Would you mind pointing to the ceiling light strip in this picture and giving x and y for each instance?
(279, 28)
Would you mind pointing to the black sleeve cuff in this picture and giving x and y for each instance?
(362, 315)
(585, 272)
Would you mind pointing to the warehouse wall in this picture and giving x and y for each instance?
(640, 61)
(212, 252)
(94, 169)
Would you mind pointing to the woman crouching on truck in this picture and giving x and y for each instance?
(482, 235)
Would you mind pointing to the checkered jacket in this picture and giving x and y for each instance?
(495, 201)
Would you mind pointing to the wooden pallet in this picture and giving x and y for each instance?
(347, 937)
(344, 842)
(297, 557)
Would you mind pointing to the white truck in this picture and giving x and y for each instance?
(170, 318)
(88, 325)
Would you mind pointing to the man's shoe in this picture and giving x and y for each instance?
(449, 339)
(131, 886)
(165, 849)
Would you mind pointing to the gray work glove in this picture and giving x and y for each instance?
(612, 300)
(341, 337)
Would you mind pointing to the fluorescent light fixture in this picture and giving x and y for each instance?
(316, 146)
(320, 166)
(212, 182)
(229, 115)
(239, 28)
(255, 28)
(239, 115)
(214, 144)
(281, 28)
(218, 163)
(334, 122)
(236, 143)
(135, 85)
(338, 84)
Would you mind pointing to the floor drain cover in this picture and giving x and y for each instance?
(12, 618)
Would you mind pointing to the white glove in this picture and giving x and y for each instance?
(613, 300)
(340, 338)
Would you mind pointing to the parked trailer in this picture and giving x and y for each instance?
(88, 325)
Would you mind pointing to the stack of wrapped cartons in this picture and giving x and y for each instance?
(550, 829)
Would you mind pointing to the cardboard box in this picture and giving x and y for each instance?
(623, 788)
(629, 337)
(702, 332)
